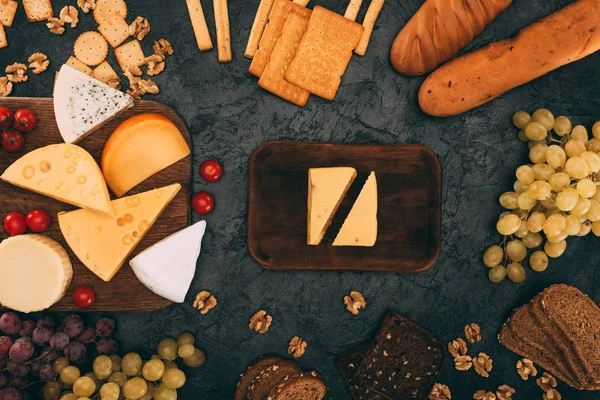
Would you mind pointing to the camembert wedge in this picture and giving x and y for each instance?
(65, 172)
(360, 228)
(103, 243)
(327, 187)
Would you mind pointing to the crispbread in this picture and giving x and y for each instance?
(8, 9)
(78, 65)
(252, 372)
(3, 40)
(105, 73)
(114, 29)
(270, 377)
(285, 48)
(90, 48)
(106, 8)
(277, 18)
(324, 53)
(38, 10)
(130, 55)
(301, 386)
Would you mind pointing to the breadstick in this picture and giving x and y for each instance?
(258, 27)
(368, 24)
(353, 9)
(223, 34)
(199, 24)
(303, 3)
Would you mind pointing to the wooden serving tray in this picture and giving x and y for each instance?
(124, 293)
(409, 188)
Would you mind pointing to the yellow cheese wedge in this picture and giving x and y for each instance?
(139, 148)
(36, 272)
(103, 243)
(326, 190)
(360, 228)
(65, 172)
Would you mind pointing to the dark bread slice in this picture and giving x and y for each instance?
(300, 386)
(252, 372)
(270, 377)
(347, 364)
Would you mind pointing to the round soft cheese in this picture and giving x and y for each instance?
(35, 272)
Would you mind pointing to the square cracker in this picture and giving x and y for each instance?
(279, 13)
(272, 78)
(105, 73)
(78, 65)
(130, 55)
(8, 9)
(114, 29)
(3, 40)
(38, 10)
(324, 53)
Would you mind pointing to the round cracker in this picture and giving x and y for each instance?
(91, 48)
(105, 8)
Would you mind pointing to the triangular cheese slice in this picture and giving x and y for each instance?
(360, 228)
(103, 243)
(82, 104)
(65, 172)
(167, 268)
(326, 190)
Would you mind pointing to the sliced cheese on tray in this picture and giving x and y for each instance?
(360, 228)
(327, 187)
(82, 104)
(167, 268)
(65, 172)
(103, 243)
(36, 272)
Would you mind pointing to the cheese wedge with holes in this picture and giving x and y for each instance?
(36, 273)
(327, 187)
(103, 243)
(167, 268)
(360, 228)
(65, 172)
(139, 148)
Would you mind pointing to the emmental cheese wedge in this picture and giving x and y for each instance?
(36, 272)
(360, 228)
(103, 243)
(327, 187)
(65, 172)
(139, 148)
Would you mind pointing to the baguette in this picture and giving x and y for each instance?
(439, 30)
(478, 77)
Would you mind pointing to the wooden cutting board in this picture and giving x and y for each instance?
(409, 209)
(124, 293)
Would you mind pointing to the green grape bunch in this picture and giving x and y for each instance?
(554, 197)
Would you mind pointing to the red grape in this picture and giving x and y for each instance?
(41, 335)
(10, 394)
(50, 355)
(35, 367)
(3, 380)
(47, 373)
(5, 343)
(75, 352)
(10, 324)
(87, 335)
(47, 322)
(18, 370)
(17, 382)
(21, 350)
(59, 341)
(27, 328)
(107, 346)
(105, 327)
(73, 325)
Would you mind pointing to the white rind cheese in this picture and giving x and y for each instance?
(168, 267)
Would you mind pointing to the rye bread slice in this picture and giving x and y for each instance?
(300, 386)
(270, 377)
(347, 364)
(252, 372)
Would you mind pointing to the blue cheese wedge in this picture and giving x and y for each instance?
(168, 267)
(83, 104)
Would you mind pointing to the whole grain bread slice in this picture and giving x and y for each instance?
(270, 377)
(252, 372)
(347, 364)
(300, 386)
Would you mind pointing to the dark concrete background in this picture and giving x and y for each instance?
(229, 116)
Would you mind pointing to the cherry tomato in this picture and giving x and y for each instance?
(14, 224)
(211, 170)
(25, 120)
(38, 220)
(6, 118)
(12, 141)
(203, 203)
(84, 297)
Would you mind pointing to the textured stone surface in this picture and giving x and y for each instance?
(229, 116)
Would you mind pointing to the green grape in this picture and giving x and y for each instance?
(536, 222)
(522, 136)
(186, 350)
(554, 225)
(110, 390)
(131, 364)
(555, 250)
(171, 365)
(562, 126)
(94, 378)
(116, 362)
(185, 338)
(596, 130)
(522, 231)
(537, 154)
(149, 393)
(173, 378)
(497, 274)
(577, 168)
(533, 143)
(540, 190)
(118, 377)
(153, 370)
(533, 240)
(555, 156)
(593, 145)
(538, 261)
(69, 375)
(197, 360)
(549, 204)
(592, 159)
(69, 396)
(535, 131)
(135, 388)
(594, 212)
(549, 213)
(525, 202)
(525, 174)
(543, 171)
(515, 272)
(567, 199)
(508, 224)
(516, 251)
(508, 200)
(521, 119)
(59, 364)
(574, 148)
(559, 181)
(545, 117)
(596, 228)
(520, 187)
(519, 213)
(51, 391)
(164, 393)
(586, 228)
(586, 188)
(167, 349)
(580, 133)
(559, 237)
(84, 386)
(102, 367)
(572, 225)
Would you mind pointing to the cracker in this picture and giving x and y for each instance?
(3, 40)
(130, 55)
(105, 73)
(258, 26)
(279, 13)
(199, 25)
(8, 9)
(106, 8)
(78, 65)
(324, 53)
(303, 3)
(272, 78)
(38, 10)
(114, 29)
(91, 48)
(368, 23)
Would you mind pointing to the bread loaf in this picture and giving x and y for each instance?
(478, 77)
(439, 30)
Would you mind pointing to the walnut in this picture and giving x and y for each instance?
(139, 28)
(504, 392)
(69, 15)
(38, 62)
(114, 83)
(482, 364)
(139, 87)
(440, 392)
(16, 73)
(133, 70)
(260, 322)
(546, 382)
(355, 302)
(463, 363)
(205, 302)
(525, 368)
(552, 395)
(163, 47)
(155, 63)
(56, 26)
(5, 87)
(473, 333)
(457, 347)
(483, 395)
(149, 86)
(297, 347)
(86, 5)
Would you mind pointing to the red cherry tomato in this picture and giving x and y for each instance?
(211, 170)
(14, 224)
(203, 203)
(84, 297)
(12, 141)
(6, 118)
(38, 220)
(25, 120)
